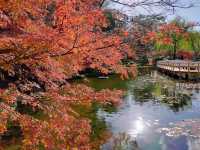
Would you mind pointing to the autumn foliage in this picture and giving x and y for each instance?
(43, 43)
(185, 54)
(170, 34)
(166, 34)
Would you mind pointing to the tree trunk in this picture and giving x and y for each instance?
(175, 47)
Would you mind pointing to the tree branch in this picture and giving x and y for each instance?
(151, 3)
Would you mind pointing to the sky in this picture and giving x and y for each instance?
(189, 14)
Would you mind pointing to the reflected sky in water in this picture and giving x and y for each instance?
(152, 102)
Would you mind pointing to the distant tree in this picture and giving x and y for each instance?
(140, 26)
(185, 54)
(117, 20)
(194, 39)
(149, 6)
(170, 34)
(137, 29)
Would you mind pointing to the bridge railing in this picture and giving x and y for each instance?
(179, 65)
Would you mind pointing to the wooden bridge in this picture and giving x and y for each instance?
(180, 68)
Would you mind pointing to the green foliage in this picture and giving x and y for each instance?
(111, 20)
(98, 125)
(194, 40)
(27, 109)
(143, 60)
(189, 43)
(184, 44)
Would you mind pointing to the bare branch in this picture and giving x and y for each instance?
(167, 4)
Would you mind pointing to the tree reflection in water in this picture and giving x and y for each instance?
(160, 89)
(121, 141)
(152, 103)
(184, 135)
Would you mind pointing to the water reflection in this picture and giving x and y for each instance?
(153, 102)
(122, 141)
(160, 89)
(137, 127)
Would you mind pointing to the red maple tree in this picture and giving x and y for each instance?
(42, 44)
(169, 34)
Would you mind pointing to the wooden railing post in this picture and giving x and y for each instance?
(180, 66)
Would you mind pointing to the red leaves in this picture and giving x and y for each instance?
(3, 122)
(185, 54)
(166, 34)
(150, 37)
(5, 22)
(172, 30)
(166, 41)
(126, 34)
(85, 95)
(77, 40)
(52, 54)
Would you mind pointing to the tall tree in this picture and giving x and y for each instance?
(194, 40)
(139, 27)
(42, 44)
(170, 34)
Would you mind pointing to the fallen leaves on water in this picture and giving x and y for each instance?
(190, 127)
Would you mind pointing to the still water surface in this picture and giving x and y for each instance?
(157, 113)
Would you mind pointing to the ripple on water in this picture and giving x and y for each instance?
(158, 113)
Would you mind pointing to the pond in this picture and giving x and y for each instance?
(157, 113)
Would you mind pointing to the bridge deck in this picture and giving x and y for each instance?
(179, 66)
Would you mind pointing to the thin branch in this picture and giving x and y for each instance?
(151, 3)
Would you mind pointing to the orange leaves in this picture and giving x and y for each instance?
(166, 41)
(19, 7)
(9, 95)
(149, 37)
(5, 22)
(171, 28)
(3, 122)
(126, 34)
(166, 34)
(83, 94)
(42, 57)
(2, 128)
(185, 54)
